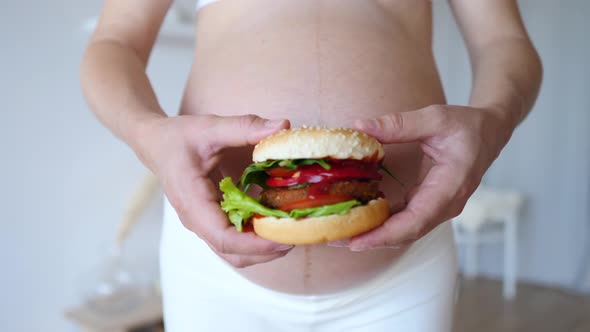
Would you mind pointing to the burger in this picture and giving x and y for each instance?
(319, 184)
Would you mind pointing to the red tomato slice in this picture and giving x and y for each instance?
(316, 173)
(317, 201)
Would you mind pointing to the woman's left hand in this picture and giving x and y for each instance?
(462, 142)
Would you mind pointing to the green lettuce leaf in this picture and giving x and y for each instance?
(326, 210)
(255, 174)
(241, 207)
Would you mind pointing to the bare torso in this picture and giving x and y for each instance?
(316, 62)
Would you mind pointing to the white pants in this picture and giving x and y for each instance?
(202, 293)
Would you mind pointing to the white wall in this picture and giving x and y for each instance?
(66, 180)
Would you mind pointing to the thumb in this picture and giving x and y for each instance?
(243, 130)
(403, 127)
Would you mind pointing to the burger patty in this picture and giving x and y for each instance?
(361, 190)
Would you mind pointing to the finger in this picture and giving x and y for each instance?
(396, 207)
(241, 261)
(435, 200)
(406, 127)
(212, 225)
(225, 239)
(237, 131)
(339, 243)
(203, 215)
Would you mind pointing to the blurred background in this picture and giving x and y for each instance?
(67, 182)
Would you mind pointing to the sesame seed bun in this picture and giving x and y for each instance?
(318, 142)
(323, 229)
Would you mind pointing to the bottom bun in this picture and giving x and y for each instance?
(323, 229)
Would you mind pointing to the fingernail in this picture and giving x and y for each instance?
(339, 243)
(273, 123)
(283, 247)
(365, 248)
(359, 248)
(389, 247)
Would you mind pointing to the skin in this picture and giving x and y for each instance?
(362, 64)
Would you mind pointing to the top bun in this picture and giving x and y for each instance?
(317, 143)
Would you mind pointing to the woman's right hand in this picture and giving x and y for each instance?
(183, 152)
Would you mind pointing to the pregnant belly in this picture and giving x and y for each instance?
(328, 80)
